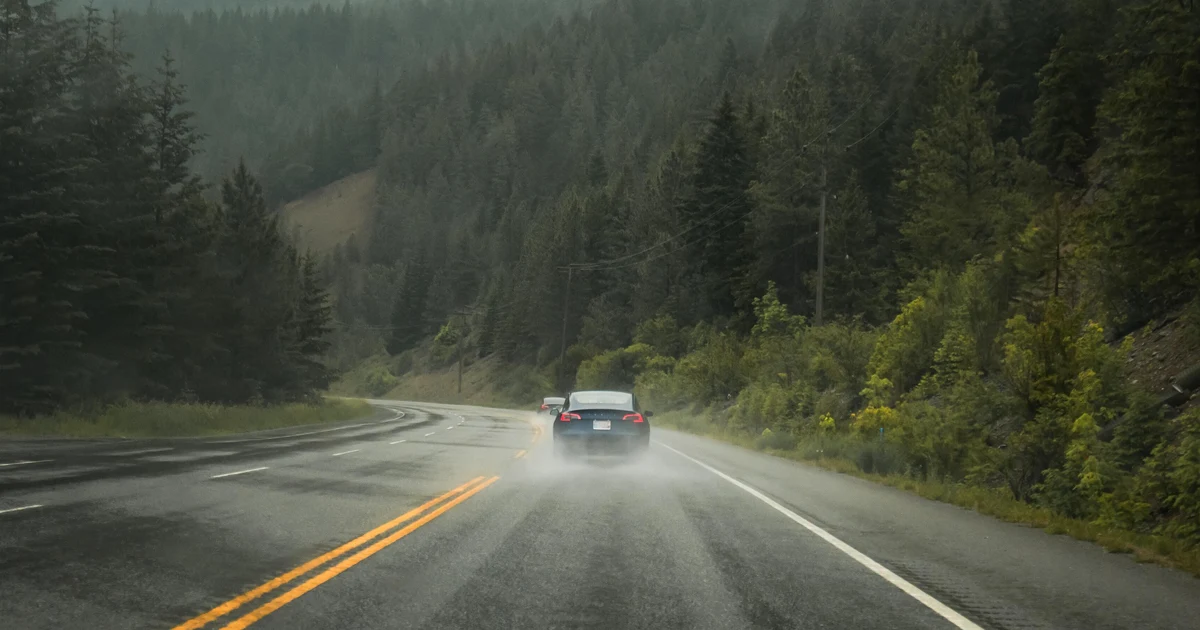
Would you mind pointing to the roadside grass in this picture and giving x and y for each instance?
(158, 419)
(414, 376)
(993, 502)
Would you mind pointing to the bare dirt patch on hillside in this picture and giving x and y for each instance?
(327, 217)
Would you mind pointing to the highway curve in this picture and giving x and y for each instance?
(439, 516)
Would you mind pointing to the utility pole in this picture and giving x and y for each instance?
(562, 351)
(821, 235)
(458, 343)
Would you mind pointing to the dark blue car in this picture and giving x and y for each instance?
(595, 422)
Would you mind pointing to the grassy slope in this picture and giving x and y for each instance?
(328, 216)
(179, 420)
(487, 382)
(992, 502)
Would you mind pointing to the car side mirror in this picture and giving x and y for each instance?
(649, 414)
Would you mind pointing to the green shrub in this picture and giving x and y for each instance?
(713, 372)
(905, 351)
(775, 440)
(616, 369)
(1166, 491)
(662, 334)
(525, 383)
(939, 442)
(839, 354)
(880, 458)
(767, 406)
(661, 390)
(380, 381)
(1060, 369)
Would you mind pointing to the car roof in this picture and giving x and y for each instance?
(602, 400)
(554, 399)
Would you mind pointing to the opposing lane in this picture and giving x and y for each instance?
(661, 543)
(148, 544)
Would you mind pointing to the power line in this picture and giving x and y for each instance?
(872, 132)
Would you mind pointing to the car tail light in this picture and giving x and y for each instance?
(567, 417)
(636, 417)
(544, 407)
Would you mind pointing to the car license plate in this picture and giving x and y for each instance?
(601, 425)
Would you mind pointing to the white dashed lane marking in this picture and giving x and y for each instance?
(18, 509)
(240, 472)
(24, 462)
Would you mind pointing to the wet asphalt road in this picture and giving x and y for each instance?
(434, 516)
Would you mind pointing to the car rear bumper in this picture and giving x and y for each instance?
(596, 443)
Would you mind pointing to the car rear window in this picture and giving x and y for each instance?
(593, 399)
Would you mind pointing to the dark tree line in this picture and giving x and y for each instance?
(293, 87)
(117, 277)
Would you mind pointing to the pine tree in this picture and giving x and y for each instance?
(855, 268)
(41, 236)
(174, 137)
(1147, 232)
(788, 193)
(719, 211)
(1014, 50)
(313, 317)
(409, 322)
(961, 189)
(259, 273)
(1070, 87)
(488, 327)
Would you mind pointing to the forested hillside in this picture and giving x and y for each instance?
(288, 87)
(118, 278)
(1009, 187)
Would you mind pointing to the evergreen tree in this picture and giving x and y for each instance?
(311, 329)
(788, 192)
(409, 322)
(719, 211)
(1147, 232)
(855, 268)
(174, 137)
(1069, 91)
(961, 187)
(41, 234)
(259, 271)
(488, 328)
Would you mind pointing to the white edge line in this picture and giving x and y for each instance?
(398, 442)
(928, 600)
(346, 452)
(240, 472)
(23, 507)
(22, 463)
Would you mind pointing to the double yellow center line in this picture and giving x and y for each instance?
(435, 507)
